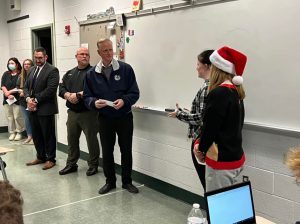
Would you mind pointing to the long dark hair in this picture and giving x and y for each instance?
(18, 65)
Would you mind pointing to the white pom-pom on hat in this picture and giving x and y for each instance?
(237, 80)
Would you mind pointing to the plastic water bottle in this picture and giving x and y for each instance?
(195, 216)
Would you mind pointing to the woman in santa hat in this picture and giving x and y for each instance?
(220, 142)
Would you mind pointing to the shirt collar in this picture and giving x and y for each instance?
(41, 67)
(114, 63)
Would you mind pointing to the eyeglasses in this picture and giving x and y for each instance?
(39, 58)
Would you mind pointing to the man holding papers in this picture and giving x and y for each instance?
(114, 81)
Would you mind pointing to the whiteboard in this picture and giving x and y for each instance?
(164, 49)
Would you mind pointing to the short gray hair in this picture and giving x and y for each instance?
(99, 42)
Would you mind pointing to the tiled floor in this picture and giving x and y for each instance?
(51, 198)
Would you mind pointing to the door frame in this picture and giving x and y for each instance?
(35, 40)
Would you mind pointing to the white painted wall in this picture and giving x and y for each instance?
(160, 148)
(4, 56)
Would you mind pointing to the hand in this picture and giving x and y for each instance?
(31, 104)
(119, 103)
(21, 92)
(7, 93)
(72, 98)
(172, 114)
(198, 154)
(11, 97)
(100, 104)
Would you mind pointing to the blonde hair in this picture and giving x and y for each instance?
(218, 76)
(23, 75)
(292, 160)
(102, 40)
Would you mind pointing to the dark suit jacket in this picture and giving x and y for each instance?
(44, 89)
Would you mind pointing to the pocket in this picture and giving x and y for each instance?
(213, 152)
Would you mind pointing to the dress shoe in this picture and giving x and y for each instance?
(68, 169)
(48, 165)
(91, 171)
(106, 188)
(131, 188)
(34, 162)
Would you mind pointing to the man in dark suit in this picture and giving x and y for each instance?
(40, 92)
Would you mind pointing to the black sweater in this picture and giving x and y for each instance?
(222, 124)
(72, 82)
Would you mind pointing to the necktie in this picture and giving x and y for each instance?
(33, 81)
(35, 76)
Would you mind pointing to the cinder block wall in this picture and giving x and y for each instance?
(275, 193)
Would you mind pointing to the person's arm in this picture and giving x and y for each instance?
(88, 96)
(3, 85)
(5, 91)
(216, 108)
(199, 104)
(62, 88)
(51, 88)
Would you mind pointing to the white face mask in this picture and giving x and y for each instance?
(11, 67)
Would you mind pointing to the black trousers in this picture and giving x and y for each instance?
(43, 134)
(87, 122)
(123, 127)
(199, 168)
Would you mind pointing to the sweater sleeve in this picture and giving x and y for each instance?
(216, 107)
(88, 96)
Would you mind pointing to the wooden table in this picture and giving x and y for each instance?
(3, 151)
(261, 220)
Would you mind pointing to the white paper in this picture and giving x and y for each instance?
(11, 101)
(109, 103)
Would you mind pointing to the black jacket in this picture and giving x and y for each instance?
(44, 89)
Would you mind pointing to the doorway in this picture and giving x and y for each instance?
(42, 37)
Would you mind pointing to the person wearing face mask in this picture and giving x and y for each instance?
(27, 64)
(11, 99)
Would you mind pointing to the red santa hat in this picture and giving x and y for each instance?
(230, 61)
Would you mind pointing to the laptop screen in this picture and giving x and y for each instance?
(233, 204)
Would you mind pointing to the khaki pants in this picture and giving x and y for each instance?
(216, 179)
(14, 117)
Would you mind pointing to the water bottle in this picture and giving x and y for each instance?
(195, 216)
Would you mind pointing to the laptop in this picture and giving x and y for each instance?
(229, 205)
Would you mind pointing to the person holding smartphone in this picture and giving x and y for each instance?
(194, 117)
